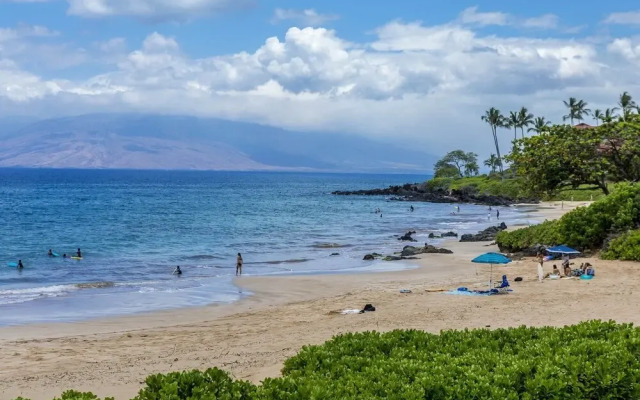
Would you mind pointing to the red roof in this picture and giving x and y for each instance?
(582, 125)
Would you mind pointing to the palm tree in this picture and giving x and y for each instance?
(609, 115)
(513, 122)
(495, 120)
(525, 118)
(582, 110)
(539, 124)
(577, 109)
(626, 104)
(492, 162)
(571, 105)
(597, 115)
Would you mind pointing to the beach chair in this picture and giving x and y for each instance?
(503, 284)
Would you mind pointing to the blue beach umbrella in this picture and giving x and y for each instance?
(491, 258)
(562, 249)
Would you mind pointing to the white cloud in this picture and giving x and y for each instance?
(308, 17)
(427, 85)
(472, 16)
(547, 21)
(153, 9)
(624, 18)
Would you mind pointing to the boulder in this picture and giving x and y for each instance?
(368, 257)
(392, 258)
(449, 234)
(408, 251)
(486, 235)
(407, 237)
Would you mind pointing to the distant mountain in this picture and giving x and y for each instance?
(169, 142)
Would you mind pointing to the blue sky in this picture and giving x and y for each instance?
(403, 69)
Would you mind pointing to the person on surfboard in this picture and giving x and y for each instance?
(79, 253)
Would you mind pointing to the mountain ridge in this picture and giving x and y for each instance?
(146, 141)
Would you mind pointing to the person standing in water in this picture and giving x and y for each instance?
(50, 253)
(498, 214)
(177, 271)
(20, 266)
(79, 253)
(239, 265)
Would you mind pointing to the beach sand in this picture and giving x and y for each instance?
(252, 338)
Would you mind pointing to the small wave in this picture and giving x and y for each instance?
(44, 290)
(95, 285)
(292, 261)
(202, 257)
(328, 245)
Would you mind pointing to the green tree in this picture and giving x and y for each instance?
(564, 157)
(577, 110)
(539, 125)
(597, 115)
(513, 121)
(609, 115)
(464, 163)
(627, 105)
(492, 162)
(525, 118)
(495, 120)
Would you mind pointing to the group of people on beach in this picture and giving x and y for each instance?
(178, 270)
(584, 269)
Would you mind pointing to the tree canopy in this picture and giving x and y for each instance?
(457, 164)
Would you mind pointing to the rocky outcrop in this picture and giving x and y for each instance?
(407, 237)
(486, 235)
(408, 251)
(444, 235)
(421, 192)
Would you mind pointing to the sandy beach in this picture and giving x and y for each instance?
(252, 338)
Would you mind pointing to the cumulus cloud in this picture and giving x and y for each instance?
(426, 84)
(153, 9)
(624, 18)
(308, 17)
(547, 21)
(472, 16)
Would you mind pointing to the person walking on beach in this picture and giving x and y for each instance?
(239, 265)
(540, 270)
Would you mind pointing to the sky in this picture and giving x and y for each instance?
(417, 73)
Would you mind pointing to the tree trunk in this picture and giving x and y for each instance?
(495, 140)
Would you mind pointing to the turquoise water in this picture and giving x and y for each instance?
(134, 227)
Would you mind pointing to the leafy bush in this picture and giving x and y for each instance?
(591, 360)
(212, 384)
(74, 395)
(584, 227)
(483, 184)
(625, 247)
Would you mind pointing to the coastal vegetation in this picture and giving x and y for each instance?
(591, 360)
(585, 228)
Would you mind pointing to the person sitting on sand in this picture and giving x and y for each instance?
(20, 266)
(556, 271)
(567, 270)
(239, 264)
(79, 253)
(177, 271)
(50, 253)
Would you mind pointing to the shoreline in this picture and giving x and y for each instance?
(252, 337)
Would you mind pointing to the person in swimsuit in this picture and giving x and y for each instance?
(239, 265)
(20, 266)
(177, 271)
(79, 253)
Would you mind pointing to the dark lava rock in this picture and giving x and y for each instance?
(412, 250)
(486, 235)
(368, 257)
(450, 234)
(392, 258)
(407, 237)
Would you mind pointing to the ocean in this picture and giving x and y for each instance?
(135, 227)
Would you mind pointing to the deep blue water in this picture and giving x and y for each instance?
(134, 227)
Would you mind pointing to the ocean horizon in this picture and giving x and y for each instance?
(135, 226)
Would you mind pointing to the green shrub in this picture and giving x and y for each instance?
(75, 395)
(625, 247)
(584, 227)
(591, 360)
(212, 384)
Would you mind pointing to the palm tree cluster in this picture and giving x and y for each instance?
(577, 111)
